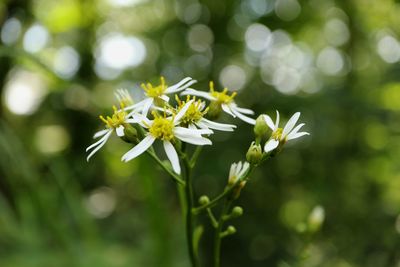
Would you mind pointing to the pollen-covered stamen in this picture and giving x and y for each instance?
(222, 97)
(162, 127)
(155, 91)
(117, 119)
(194, 113)
(277, 134)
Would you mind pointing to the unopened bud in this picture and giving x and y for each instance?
(230, 230)
(214, 110)
(254, 155)
(130, 134)
(237, 211)
(316, 219)
(261, 129)
(204, 200)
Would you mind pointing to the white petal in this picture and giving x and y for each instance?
(139, 148)
(146, 105)
(269, 122)
(106, 136)
(296, 135)
(239, 168)
(296, 129)
(101, 133)
(192, 127)
(202, 94)
(182, 112)
(228, 110)
(290, 124)
(271, 145)
(182, 85)
(244, 110)
(120, 130)
(132, 120)
(191, 132)
(172, 88)
(193, 139)
(172, 156)
(140, 119)
(204, 123)
(232, 170)
(244, 169)
(96, 149)
(277, 120)
(136, 106)
(165, 98)
(99, 144)
(243, 117)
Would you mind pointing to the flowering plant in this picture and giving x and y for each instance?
(192, 121)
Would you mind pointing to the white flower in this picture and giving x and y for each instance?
(194, 116)
(166, 129)
(226, 102)
(280, 135)
(237, 171)
(155, 94)
(117, 122)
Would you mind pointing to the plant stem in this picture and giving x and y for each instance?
(226, 191)
(195, 155)
(189, 214)
(175, 177)
(217, 235)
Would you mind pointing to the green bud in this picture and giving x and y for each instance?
(214, 110)
(261, 129)
(230, 230)
(204, 200)
(237, 211)
(254, 155)
(130, 134)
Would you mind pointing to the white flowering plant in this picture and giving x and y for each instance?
(179, 116)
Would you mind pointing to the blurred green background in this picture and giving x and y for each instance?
(335, 61)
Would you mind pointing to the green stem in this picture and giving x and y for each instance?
(195, 155)
(218, 231)
(226, 192)
(189, 214)
(174, 176)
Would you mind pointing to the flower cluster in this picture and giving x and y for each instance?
(190, 116)
(188, 120)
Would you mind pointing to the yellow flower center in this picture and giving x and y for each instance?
(155, 91)
(117, 119)
(195, 111)
(222, 97)
(162, 128)
(277, 134)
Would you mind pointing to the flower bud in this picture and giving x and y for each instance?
(214, 110)
(237, 211)
(130, 134)
(204, 200)
(261, 128)
(316, 219)
(230, 230)
(254, 155)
